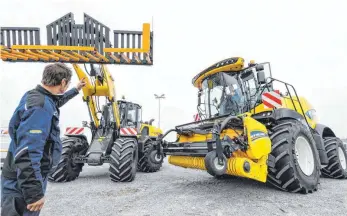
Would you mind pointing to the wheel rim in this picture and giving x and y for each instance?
(342, 158)
(304, 154)
(157, 157)
(217, 165)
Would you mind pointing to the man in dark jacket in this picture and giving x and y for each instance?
(35, 142)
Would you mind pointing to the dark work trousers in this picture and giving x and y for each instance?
(12, 200)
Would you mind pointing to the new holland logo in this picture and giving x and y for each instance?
(257, 135)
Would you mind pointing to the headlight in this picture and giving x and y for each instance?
(312, 115)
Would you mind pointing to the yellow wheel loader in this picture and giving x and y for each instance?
(247, 128)
(119, 137)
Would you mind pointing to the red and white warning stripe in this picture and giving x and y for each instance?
(128, 131)
(272, 99)
(74, 130)
(196, 117)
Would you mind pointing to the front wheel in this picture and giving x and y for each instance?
(213, 167)
(149, 160)
(67, 170)
(124, 157)
(296, 161)
(337, 155)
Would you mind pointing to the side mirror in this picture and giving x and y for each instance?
(261, 77)
(84, 124)
(259, 67)
(150, 121)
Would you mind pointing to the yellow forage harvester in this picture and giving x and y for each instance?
(247, 128)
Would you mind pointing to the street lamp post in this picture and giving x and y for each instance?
(159, 98)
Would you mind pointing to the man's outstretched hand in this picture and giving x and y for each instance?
(81, 84)
(36, 206)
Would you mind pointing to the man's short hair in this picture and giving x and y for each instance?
(53, 74)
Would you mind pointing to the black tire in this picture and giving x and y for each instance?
(286, 173)
(124, 157)
(66, 169)
(210, 165)
(334, 169)
(148, 159)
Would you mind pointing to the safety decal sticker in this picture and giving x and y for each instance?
(74, 130)
(272, 99)
(128, 131)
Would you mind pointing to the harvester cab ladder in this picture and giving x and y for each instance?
(87, 43)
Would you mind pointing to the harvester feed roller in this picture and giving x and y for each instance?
(236, 166)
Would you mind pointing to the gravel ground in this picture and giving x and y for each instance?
(178, 191)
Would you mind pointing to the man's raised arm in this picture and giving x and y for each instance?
(71, 93)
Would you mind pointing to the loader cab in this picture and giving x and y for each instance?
(130, 114)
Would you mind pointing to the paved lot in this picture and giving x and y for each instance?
(179, 191)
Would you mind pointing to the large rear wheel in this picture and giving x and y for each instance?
(67, 170)
(337, 155)
(296, 166)
(124, 157)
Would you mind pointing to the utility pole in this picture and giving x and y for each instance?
(159, 98)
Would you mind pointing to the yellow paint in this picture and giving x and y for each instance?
(70, 56)
(256, 153)
(48, 55)
(52, 47)
(260, 147)
(237, 66)
(107, 89)
(258, 169)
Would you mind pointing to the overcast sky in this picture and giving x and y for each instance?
(305, 41)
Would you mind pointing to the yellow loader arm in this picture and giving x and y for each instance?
(106, 89)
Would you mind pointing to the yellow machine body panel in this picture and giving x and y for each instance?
(228, 65)
(259, 146)
(259, 143)
(306, 106)
(153, 131)
(288, 103)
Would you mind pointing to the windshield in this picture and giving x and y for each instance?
(130, 114)
(221, 95)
